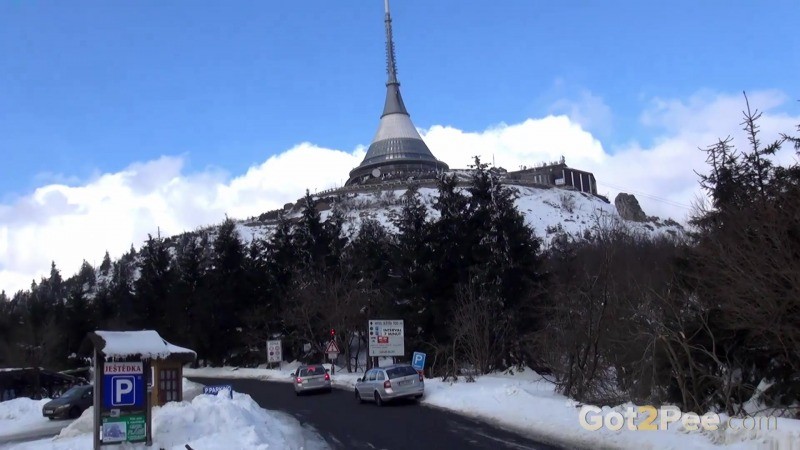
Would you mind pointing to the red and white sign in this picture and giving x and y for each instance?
(332, 348)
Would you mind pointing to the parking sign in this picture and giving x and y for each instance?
(418, 361)
(124, 384)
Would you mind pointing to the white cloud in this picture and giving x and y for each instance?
(588, 110)
(112, 211)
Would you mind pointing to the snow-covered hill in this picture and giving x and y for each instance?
(548, 211)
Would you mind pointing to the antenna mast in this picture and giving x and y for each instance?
(391, 62)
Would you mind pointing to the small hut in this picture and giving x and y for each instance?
(166, 359)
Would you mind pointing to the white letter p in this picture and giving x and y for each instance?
(123, 386)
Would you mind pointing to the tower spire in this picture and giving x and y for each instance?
(391, 61)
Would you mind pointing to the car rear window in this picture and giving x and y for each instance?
(312, 371)
(402, 371)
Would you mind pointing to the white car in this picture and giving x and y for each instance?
(383, 384)
(311, 378)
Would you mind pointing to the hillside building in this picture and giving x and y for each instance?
(557, 174)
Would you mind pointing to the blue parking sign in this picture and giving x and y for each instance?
(123, 385)
(418, 361)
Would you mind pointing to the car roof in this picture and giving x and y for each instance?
(393, 366)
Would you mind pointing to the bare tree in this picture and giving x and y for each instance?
(480, 332)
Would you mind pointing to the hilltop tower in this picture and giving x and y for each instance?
(397, 149)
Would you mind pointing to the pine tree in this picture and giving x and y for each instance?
(191, 294)
(121, 290)
(105, 266)
(310, 238)
(228, 290)
(152, 288)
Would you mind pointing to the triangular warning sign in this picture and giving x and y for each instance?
(332, 347)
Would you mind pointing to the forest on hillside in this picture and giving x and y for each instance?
(709, 320)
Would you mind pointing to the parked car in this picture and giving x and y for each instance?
(384, 384)
(311, 378)
(70, 404)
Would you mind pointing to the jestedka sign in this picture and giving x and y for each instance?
(386, 338)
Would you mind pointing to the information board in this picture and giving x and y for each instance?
(386, 338)
(127, 428)
(274, 351)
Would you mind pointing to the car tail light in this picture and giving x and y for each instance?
(327, 377)
(299, 380)
(387, 384)
(421, 378)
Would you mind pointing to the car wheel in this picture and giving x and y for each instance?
(378, 400)
(74, 412)
(417, 397)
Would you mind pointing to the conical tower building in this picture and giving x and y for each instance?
(397, 150)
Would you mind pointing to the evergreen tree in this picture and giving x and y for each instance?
(281, 254)
(105, 266)
(152, 288)
(310, 237)
(86, 277)
(189, 305)
(449, 248)
(121, 292)
(228, 291)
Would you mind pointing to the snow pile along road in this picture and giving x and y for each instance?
(21, 414)
(207, 422)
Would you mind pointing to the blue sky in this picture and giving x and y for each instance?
(90, 86)
(205, 93)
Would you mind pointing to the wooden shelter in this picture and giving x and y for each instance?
(166, 360)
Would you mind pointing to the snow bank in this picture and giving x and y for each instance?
(207, 422)
(20, 414)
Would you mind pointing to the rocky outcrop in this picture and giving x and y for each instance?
(628, 208)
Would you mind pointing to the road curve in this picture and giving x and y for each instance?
(346, 424)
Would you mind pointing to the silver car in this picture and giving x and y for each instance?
(390, 383)
(311, 378)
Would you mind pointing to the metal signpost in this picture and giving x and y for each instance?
(274, 352)
(386, 338)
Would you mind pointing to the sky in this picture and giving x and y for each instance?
(119, 119)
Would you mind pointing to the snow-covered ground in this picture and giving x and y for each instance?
(526, 403)
(21, 414)
(201, 421)
(547, 211)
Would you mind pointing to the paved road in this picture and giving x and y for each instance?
(345, 424)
